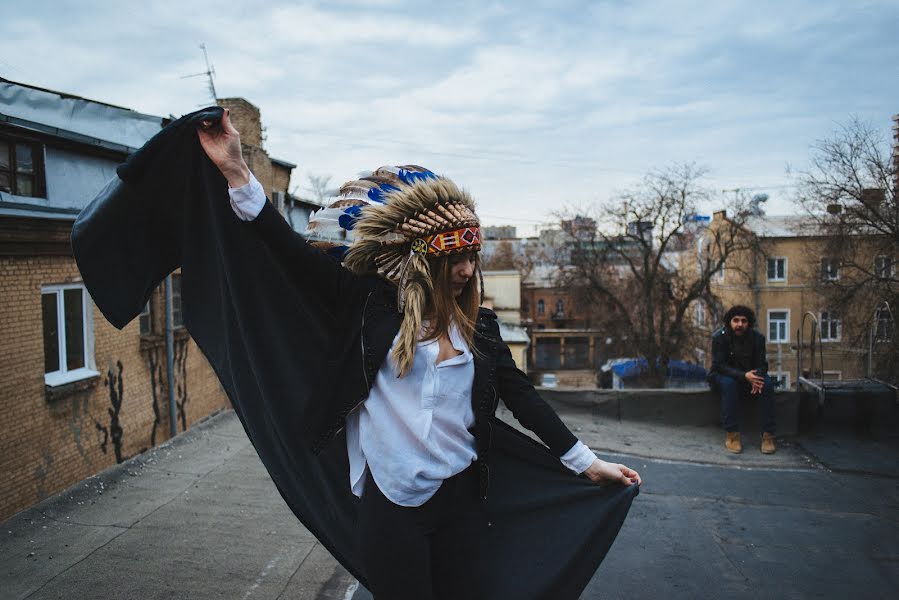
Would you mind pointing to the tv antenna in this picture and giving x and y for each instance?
(209, 72)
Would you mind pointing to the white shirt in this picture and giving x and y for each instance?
(411, 432)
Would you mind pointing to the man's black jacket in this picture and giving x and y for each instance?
(295, 340)
(724, 360)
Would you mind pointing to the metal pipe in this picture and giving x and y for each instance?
(169, 356)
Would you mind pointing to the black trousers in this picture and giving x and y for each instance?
(396, 542)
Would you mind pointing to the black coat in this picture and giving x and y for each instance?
(724, 361)
(282, 327)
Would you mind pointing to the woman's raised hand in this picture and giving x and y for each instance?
(602, 472)
(221, 142)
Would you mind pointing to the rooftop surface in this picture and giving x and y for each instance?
(199, 518)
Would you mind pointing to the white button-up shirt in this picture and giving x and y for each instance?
(411, 432)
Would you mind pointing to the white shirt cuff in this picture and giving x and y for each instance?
(248, 200)
(578, 458)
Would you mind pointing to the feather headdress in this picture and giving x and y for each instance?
(390, 222)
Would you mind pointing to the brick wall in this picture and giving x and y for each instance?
(46, 446)
(246, 118)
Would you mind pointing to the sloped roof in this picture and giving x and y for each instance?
(65, 115)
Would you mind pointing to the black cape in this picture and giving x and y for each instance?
(169, 207)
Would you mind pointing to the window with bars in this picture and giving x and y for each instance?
(22, 168)
(778, 326)
(830, 269)
(830, 326)
(777, 269)
(67, 334)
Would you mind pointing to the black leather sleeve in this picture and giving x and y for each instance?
(323, 276)
(526, 405)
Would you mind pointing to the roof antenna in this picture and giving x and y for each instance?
(209, 72)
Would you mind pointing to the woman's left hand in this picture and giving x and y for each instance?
(603, 472)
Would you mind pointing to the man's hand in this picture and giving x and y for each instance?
(756, 380)
(222, 145)
(602, 472)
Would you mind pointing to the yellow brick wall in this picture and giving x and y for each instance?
(48, 446)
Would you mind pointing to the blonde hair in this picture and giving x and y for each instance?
(429, 290)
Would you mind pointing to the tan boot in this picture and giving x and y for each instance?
(769, 446)
(733, 442)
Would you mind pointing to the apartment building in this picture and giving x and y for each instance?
(781, 276)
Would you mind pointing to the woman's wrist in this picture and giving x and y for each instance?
(237, 174)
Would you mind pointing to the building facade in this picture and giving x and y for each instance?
(781, 278)
(78, 395)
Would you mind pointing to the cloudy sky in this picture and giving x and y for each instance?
(530, 105)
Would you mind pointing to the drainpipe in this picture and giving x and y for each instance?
(169, 356)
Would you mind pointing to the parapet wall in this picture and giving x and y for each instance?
(673, 407)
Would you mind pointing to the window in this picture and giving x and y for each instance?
(68, 334)
(830, 269)
(830, 326)
(541, 307)
(21, 168)
(146, 320)
(699, 316)
(177, 315)
(777, 269)
(781, 380)
(778, 326)
(560, 309)
(883, 267)
(549, 353)
(883, 325)
(832, 376)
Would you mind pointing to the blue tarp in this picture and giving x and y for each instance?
(676, 368)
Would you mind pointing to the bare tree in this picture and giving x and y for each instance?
(647, 263)
(317, 187)
(502, 258)
(849, 192)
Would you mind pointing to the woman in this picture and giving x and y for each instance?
(385, 372)
(405, 447)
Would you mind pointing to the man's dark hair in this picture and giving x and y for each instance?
(739, 311)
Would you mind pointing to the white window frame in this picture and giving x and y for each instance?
(768, 326)
(776, 278)
(784, 375)
(699, 315)
(827, 338)
(832, 262)
(63, 375)
(146, 311)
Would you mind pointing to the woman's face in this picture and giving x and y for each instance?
(461, 270)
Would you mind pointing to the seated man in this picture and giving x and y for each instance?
(740, 369)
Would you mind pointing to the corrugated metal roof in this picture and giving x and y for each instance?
(49, 110)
